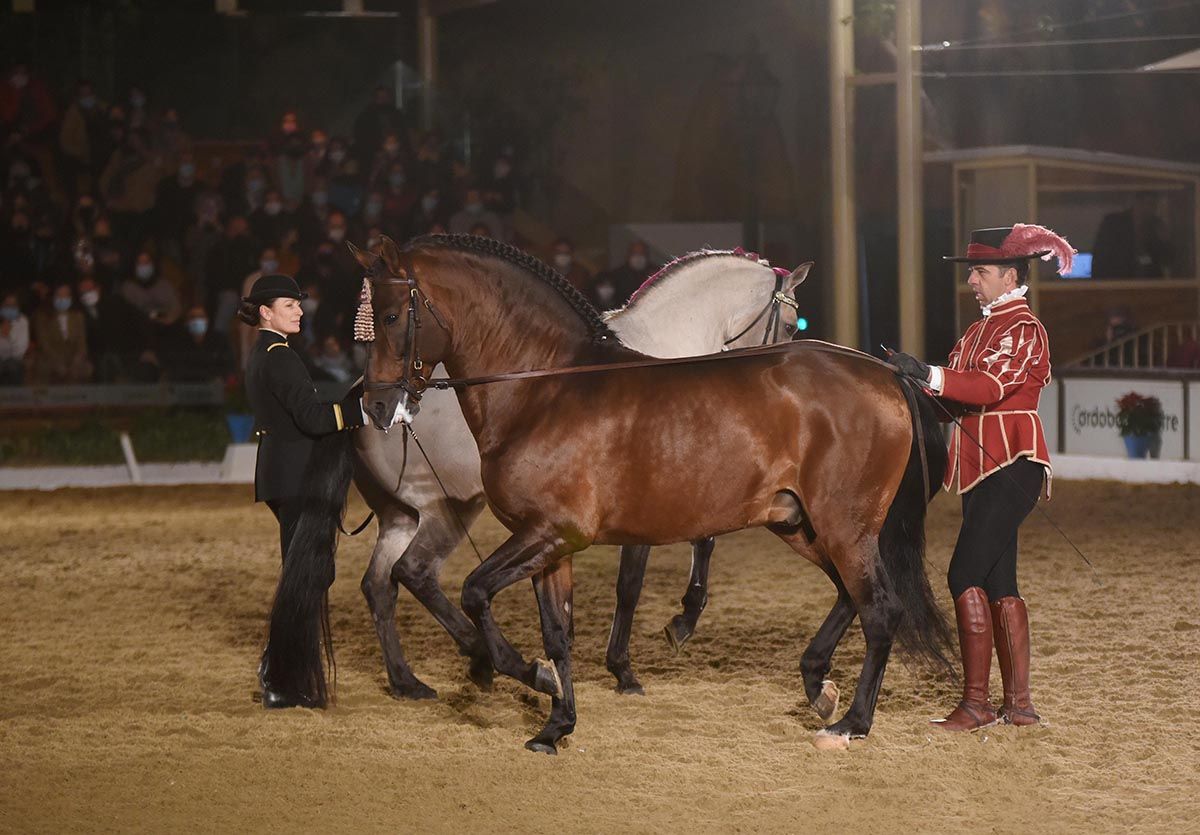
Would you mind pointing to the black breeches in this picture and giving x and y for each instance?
(287, 513)
(986, 552)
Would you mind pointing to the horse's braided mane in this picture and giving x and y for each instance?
(597, 328)
(672, 267)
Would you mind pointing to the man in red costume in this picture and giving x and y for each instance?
(995, 376)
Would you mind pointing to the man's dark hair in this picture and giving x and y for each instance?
(1022, 268)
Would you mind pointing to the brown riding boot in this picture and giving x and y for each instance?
(1010, 620)
(975, 711)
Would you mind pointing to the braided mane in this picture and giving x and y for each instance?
(597, 328)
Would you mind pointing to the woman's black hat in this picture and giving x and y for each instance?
(270, 287)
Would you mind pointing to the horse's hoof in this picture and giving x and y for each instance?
(278, 700)
(415, 691)
(480, 672)
(677, 633)
(827, 741)
(826, 704)
(631, 688)
(541, 746)
(546, 680)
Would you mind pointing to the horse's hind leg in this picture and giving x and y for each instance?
(396, 531)
(817, 660)
(629, 587)
(879, 612)
(694, 599)
(556, 606)
(440, 532)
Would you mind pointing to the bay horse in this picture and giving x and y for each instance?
(700, 303)
(827, 448)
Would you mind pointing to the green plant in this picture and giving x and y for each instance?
(1138, 415)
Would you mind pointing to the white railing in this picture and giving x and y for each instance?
(1151, 347)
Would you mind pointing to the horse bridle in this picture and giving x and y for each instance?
(413, 382)
(771, 311)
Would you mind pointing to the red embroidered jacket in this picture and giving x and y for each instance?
(997, 372)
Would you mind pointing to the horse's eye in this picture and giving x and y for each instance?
(789, 329)
(391, 319)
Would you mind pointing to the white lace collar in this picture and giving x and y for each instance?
(1014, 293)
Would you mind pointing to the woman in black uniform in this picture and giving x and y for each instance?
(288, 416)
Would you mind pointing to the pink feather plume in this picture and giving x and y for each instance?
(1028, 237)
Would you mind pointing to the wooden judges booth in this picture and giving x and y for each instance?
(1134, 221)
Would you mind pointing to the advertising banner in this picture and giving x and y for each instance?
(1090, 409)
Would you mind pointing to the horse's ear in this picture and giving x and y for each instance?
(797, 276)
(368, 260)
(390, 251)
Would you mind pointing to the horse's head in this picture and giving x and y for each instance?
(777, 320)
(408, 335)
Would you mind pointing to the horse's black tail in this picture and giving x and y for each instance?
(924, 631)
(300, 643)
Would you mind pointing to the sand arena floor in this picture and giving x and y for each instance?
(132, 621)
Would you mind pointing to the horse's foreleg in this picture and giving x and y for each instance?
(695, 598)
(521, 556)
(556, 606)
(440, 532)
(629, 587)
(378, 586)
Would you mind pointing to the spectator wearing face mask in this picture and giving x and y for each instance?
(332, 362)
(380, 121)
(109, 256)
(82, 139)
(564, 261)
(60, 354)
(313, 214)
(473, 212)
(429, 210)
(291, 169)
(399, 200)
(372, 212)
(269, 222)
(27, 111)
(115, 333)
(389, 153)
(346, 185)
(175, 206)
(228, 263)
(14, 341)
(129, 186)
(151, 295)
(197, 354)
(613, 288)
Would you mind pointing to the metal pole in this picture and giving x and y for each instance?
(841, 135)
(427, 58)
(909, 168)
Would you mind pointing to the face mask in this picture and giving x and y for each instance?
(604, 293)
(268, 265)
(428, 204)
(91, 298)
(62, 305)
(637, 263)
(138, 101)
(187, 171)
(273, 208)
(337, 156)
(336, 234)
(9, 312)
(197, 327)
(319, 198)
(474, 208)
(396, 180)
(374, 208)
(87, 102)
(309, 306)
(562, 260)
(144, 271)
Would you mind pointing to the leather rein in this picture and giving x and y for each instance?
(414, 384)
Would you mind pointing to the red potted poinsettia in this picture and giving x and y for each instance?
(1140, 421)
